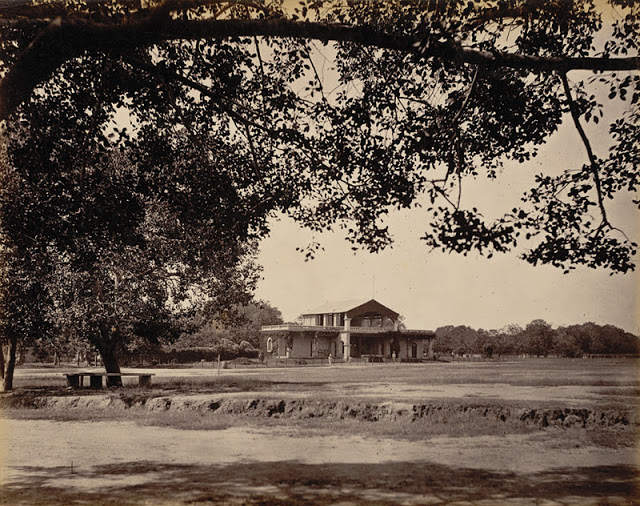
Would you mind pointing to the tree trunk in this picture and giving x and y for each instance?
(7, 367)
(111, 366)
(21, 353)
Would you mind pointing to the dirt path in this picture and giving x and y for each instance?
(121, 463)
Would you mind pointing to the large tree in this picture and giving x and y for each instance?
(137, 234)
(421, 95)
(538, 338)
(417, 97)
(24, 268)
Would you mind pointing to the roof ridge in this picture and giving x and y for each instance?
(342, 306)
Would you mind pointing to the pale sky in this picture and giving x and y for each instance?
(431, 289)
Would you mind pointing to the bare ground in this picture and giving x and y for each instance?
(122, 463)
(536, 432)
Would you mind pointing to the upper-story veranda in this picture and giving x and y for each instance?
(348, 329)
(354, 316)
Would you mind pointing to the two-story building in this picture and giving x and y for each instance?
(348, 329)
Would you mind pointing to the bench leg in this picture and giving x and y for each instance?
(145, 381)
(95, 382)
(73, 380)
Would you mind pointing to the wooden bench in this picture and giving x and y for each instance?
(76, 379)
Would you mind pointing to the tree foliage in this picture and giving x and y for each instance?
(333, 112)
(136, 235)
(24, 300)
(538, 339)
(241, 334)
(418, 98)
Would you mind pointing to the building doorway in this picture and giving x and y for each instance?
(394, 348)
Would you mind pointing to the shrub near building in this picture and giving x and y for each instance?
(239, 339)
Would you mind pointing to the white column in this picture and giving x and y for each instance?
(345, 336)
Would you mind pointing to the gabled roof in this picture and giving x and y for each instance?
(336, 306)
(354, 307)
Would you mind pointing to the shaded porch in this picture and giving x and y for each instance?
(390, 345)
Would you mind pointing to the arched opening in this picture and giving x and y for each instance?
(269, 345)
(394, 348)
(414, 350)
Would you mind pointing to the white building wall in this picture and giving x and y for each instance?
(302, 346)
(309, 320)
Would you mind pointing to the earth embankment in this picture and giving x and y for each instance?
(300, 408)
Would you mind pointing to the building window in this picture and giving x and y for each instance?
(329, 320)
(269, 345)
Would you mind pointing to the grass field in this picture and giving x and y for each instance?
(526, 372)
(570, 381)
(485, 430)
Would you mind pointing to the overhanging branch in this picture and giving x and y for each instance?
(63, 40)
(593, 163)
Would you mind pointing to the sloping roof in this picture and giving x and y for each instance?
(354, 307)
(336, 306)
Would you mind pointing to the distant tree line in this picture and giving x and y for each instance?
(539, 339)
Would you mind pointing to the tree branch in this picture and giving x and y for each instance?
(439, 189)
(70, 38)
(467, 96)
(585, 140)
(457, 153)
(256, 166)
(315, 71)
(26, 9)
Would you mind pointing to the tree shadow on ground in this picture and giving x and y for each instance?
(293, 482)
